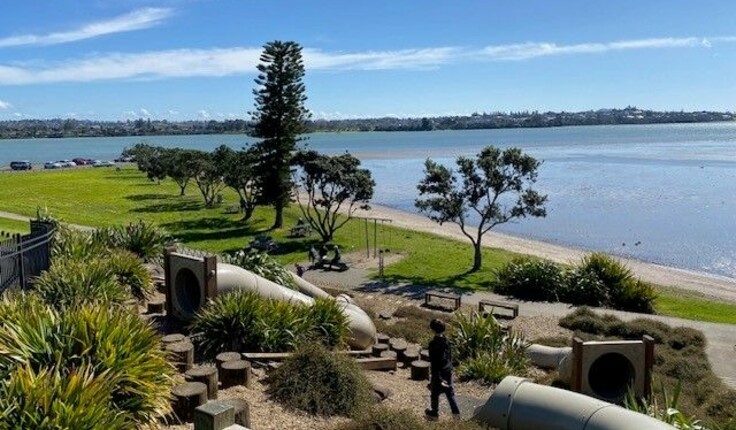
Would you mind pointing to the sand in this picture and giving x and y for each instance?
(713, 286)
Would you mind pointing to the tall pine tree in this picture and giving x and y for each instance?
(280, 118)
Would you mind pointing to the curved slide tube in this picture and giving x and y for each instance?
(549, 357)
(230, 277)
(519, 404)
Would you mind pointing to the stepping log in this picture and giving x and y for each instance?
(183, 354)
(206, 375)
(226, 356)
(399, 347)
(156, 306)
(388, 354)
(424, 354)
(410, 356)
(419, 370)
(187, 397)
(236, 372)
(379, 348)
(242, 411)
(382, 338)
(172, 338)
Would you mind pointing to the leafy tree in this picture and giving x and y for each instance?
(280, 117)
(237, 169)
(495, 187)
(328, 183)
(149, 159)
(181, 166)
(208, 177)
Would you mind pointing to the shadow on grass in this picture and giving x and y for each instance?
(414, 287)
(213, 228)
(149, 196)
(180, 206)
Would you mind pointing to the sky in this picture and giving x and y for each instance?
(196, 59)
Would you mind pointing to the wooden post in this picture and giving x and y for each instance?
(236, 372)
(648, 365)
(419, 370)
(183, 353)
(375, 237)
(187, 397)
(168, 281)
(206, 375)
(224, 357)
(367, 240)
(576, 381)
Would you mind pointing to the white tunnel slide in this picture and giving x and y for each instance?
(518, 404)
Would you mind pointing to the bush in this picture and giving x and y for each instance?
(142, 239)
(320, 382)
(48, 400)
(262, 265)
(72, 244)
(583, 287)
(484, 352)
(131, 273)
(383, 418)
(123, 350)
(70, 282)
(530, 279)
(245, 321)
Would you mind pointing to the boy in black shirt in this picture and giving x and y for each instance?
(440, 359)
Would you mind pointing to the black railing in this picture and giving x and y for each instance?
(23, 257)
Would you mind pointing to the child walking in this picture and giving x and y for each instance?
(440, 359)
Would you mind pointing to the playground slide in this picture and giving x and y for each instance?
(230, 277)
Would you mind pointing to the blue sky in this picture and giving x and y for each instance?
(189, 59)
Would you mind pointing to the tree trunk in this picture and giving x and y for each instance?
(183, 189)
(247, 213)
(477, 257)
(279, 221)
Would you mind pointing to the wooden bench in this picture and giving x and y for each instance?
(300, 230)
(513, 307)
(454, 297)
(280, 356)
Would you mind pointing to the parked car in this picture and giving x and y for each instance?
(52, 165)
(126, 159)
(82, 161)
(67, 163)
(21, 165)
(99, 163)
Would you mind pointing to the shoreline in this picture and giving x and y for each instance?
(710, 285)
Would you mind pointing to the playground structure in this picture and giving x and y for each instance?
(192, 280)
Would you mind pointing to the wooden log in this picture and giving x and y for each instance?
(225, 357)
(377, 363)
(172, 338)
(382, 338)
(206, 375)
(186, 398)
(379, 348)
(399, 347)
(410, 356)
(183, 355)
(156, 306)
(388, 354)
(214, 415)
(419, 370)
(424, 354)
(236, 372)
(242, 411)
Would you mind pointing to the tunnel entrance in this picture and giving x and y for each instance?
(188, 291)
(610, 376)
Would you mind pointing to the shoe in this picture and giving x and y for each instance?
(430, 414)
(456, 417)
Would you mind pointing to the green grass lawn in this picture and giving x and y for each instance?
(103, 197)
(13, 226)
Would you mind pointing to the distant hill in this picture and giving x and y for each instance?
(57, 128)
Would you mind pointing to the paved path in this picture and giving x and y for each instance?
(17, 217)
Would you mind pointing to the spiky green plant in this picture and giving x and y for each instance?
(329, 322)
(144, 239)
(70, 282)
(73, 244)
(262, 265)
(472, 334)
(130, 273)
(50, 400)
(667, 412)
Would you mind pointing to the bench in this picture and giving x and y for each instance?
(513, 307)
(331, 265)
(429, 294)
(280, 356)
(303, 230)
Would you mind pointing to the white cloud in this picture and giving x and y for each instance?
(145, 112)
(203, 114)
(217, 62)
(173, 112)
(137, 20)
(5, 105)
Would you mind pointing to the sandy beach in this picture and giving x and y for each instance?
(717, 287)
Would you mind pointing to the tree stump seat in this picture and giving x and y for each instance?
(186, 398)
(236, 372)
(419, 370)
(206, 375)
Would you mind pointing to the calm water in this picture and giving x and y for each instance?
(669, 188)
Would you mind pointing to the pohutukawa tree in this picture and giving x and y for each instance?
(181, 166)
(208, 177)
(493, 188)
(237, 169)
(280, 118)
(326, 184)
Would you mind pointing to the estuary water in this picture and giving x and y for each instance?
(659, 193)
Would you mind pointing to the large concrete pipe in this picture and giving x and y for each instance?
(191, 281)
(518, 404)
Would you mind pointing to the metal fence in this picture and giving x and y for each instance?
(23, 257)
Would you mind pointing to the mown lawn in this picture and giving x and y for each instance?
(13, 226)
(101, 197)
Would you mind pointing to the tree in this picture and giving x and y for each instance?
(495, 187)
(237, 168)
(328, 183)
(280, 118)
(149, 159)
(181, 166)
(208, 178)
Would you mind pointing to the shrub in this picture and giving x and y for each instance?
(490, 367)
(48, 400)
(244, 321)
(143, 239)
(583, 287)
(414, 324)
(321, 382)
(72, 244)
(70, 282)
(262, 265)
(530, 279)
(470, 335)
(130, 273)
(123, 350)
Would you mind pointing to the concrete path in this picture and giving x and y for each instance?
(17, 217)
